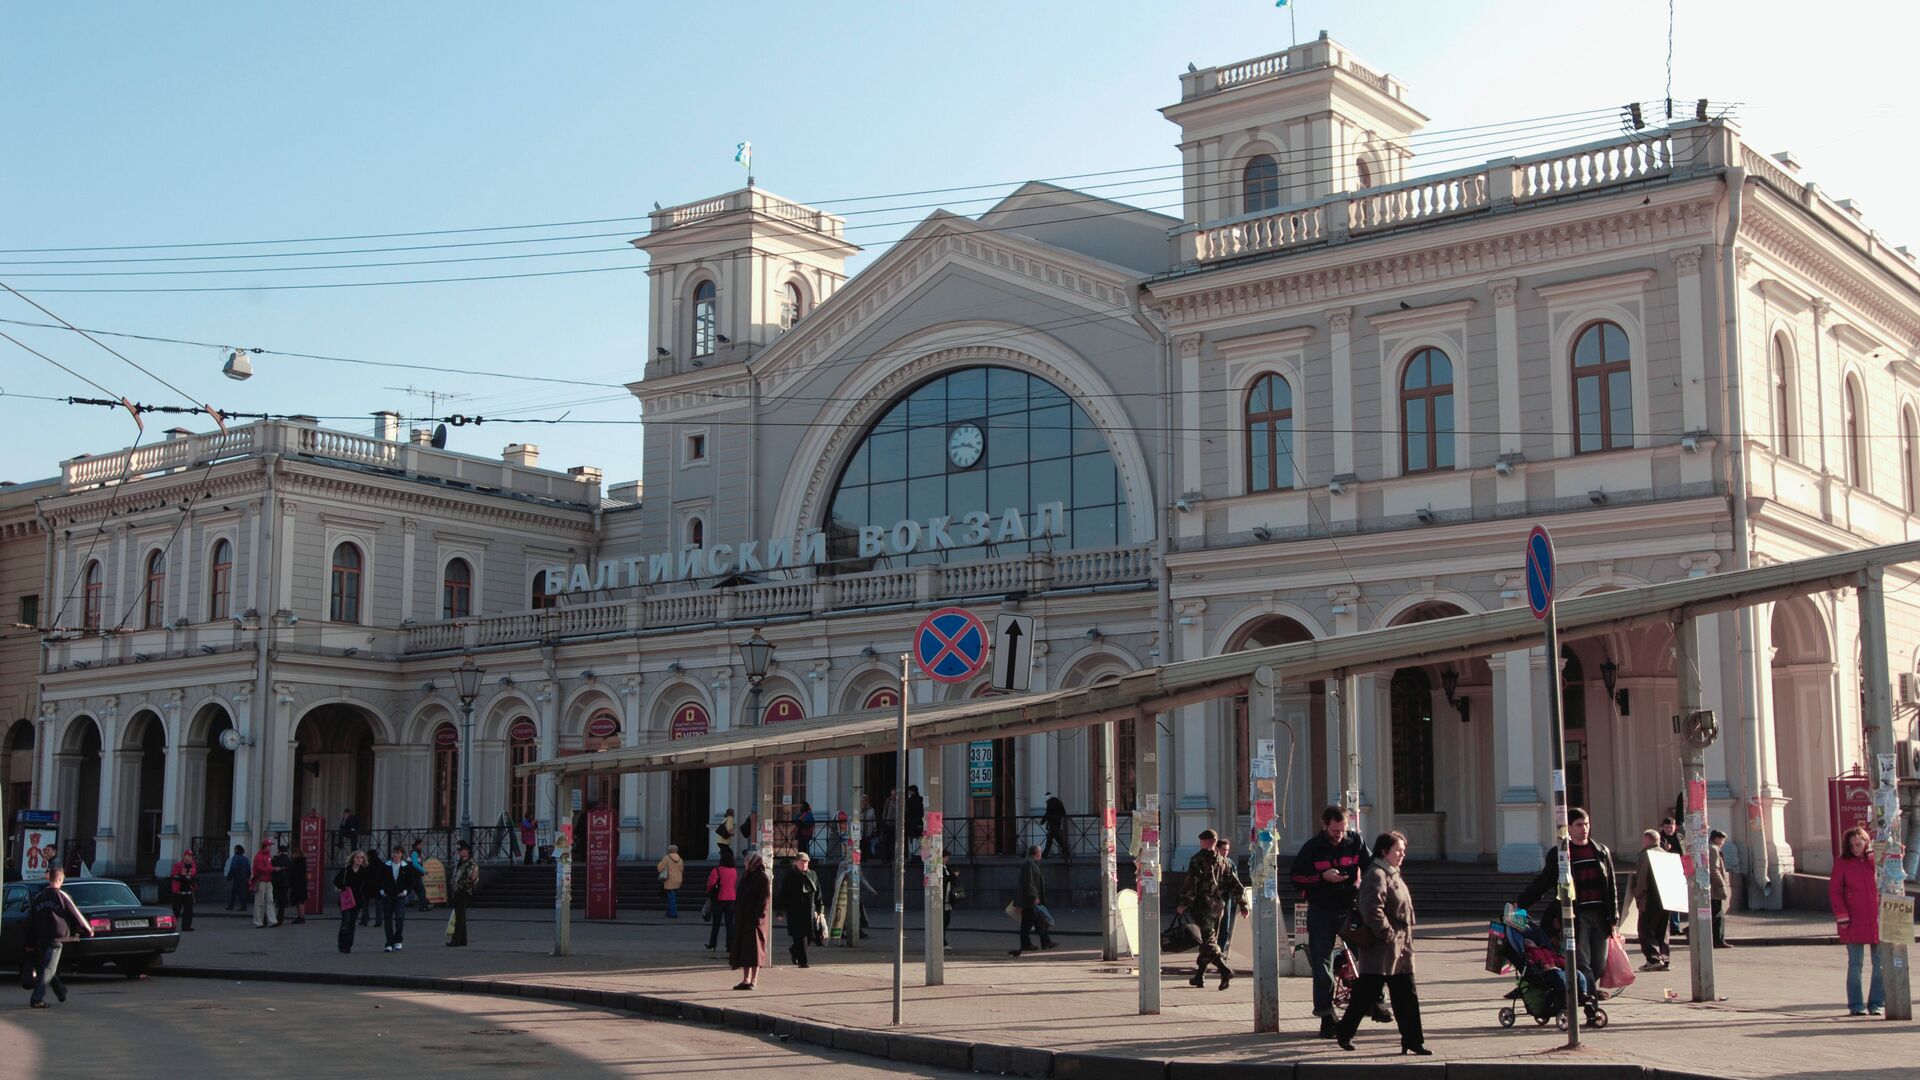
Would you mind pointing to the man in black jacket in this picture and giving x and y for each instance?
(53, 919)
(800, 901)
(397, 880)
(1032, 896)
(1596, 906)
(1327, 871)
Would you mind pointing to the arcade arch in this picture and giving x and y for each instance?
(334, 762)
(1806, 727)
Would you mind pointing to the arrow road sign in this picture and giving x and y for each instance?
(1013, 652)
(951, 645)
(1539, 571)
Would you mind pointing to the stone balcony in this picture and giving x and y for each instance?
(1323, 53)
(746, 200)
(909, 587)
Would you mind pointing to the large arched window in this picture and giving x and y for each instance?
(523, 748)
(1573, 721)
(1260, 184)
(343, 602)
(1853, 426)
(1426, 412)
(696, 532)
(542, 598)
(790, 305)
(706, 318)
(1908, 463)
(1270, 435)
(1782, 396)
(446, 776)
(1412, 718)
(94, 596)
(1602, 389)
(153, 605)
(979, 440)
(456, 590)
(220, 580)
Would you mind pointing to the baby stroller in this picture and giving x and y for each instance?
(1540, 983)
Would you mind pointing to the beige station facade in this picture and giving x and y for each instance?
(1332, 395)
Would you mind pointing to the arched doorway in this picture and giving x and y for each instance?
(1809, 743)
(691, 795)
(602, 789)
(1434, 750)
(16, 781)
(446, 775)
(79, 768)
(1411, 721)
(996, 817)
(333, 764)
(789, 776)
(523, 747)
(216, 793)
(877, 771)
(1277, 630)
(145, 755)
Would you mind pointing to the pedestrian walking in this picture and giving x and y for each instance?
(370, 904)
(1055, 821)
(1652, 924)
(800, 900)
(950, 891)
(53, 919)
(1673, 840)
(529, 839)
(1233, 897)
(1032, 900)
(355, 888)
(672, 870)
(1200, 901)
(348, 834)
(239, 868)
(264, 913)
(1327, 871)
(752, 936)
(1384, 958)
(466, 882)
(417, 858)
(722, 888)
(297, 885)
(1596, 903)
(869, 829)
(916, 818)
(282, 880)
(183, 879)
(1855, 896)
(397, 882)
(1722, 887)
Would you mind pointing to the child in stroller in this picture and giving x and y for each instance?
(1540, 973)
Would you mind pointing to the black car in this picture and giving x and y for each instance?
(127, 934)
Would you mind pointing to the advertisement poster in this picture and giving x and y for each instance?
(313, 845)
(602, 896)
(434, 876)
(39, 849)
(1896, 920)
(563, 864)
(980, 769)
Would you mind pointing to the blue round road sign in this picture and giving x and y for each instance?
(951, 645)
(1539, 571)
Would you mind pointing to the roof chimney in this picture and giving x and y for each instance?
(386, 425)
(524, 455)
(422, 436)
(586, 474)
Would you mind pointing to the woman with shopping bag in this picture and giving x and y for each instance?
(1380, 935)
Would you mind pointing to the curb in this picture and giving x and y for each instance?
(932, 1050)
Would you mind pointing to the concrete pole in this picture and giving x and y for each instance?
(933, 857)
(1350, 747)
(1895, 977)
(1146, 743)
(1109, 850)
(562, 868)
(900, 842)
(1266, 905)
(1693, 767)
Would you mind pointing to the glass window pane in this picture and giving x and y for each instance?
(1586, 351)
(1093, 528)
(926, 497)
(856, 466)
(888, 504)
(1285, 468)
(1415, 377)
(1007, 439)
(850, 509)
(967, 394)
(1007, 487)
(927, 451)
(888, 459)
(1093, 480)
(1086, 437)
(1282, 393)
(1044, 394)
(967, 491)
(1440, 370)
(1006, 391)
(1615, 342)
(1586, 393)
(928, 405)
(895, 420)
(1259, 468)
(1051, 481)
(1443, 431)
(1261, 395)
(1049, 432)
(1415, 436)
(1620, 405)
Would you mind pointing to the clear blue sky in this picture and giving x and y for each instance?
(161, 123)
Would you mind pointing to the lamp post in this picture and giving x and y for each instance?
(466, 681)
(756, 655)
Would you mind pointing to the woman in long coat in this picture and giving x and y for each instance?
(751, 940)
(1385, 907)
(1855, 895)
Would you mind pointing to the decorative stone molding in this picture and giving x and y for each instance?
(1705, 562)
(1504, 290)
(1340, 320)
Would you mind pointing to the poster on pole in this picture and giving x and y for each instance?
(433, 880)
(602, 896)
(313, 845)
(1669, 880)
(39, 832)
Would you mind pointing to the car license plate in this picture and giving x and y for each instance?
(129, 924)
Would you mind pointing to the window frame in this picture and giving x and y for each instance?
(1853, 406)
(1909, 463)
(93, 594)
(793, 304)
(1260, 194)
(452, 591)
(1781, 362)
(1429, 395)
(344, 606)
(153, 590)
(695, 532)
(1274, 421)
(220, 580)
(706, 318)
(538, 598)
(1604, 372)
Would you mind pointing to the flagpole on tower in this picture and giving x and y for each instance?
(1293, 21)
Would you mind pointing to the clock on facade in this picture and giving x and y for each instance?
(965, 444)
(230, 739)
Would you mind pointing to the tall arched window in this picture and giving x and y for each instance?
(344, 591)
(1260, 184)
(1412, 719)
(523, 748)
(1270, 434)
(1853, 426)
(1782, 396)
(1909, 437)
(696, 533)
(706, 318)
(446, 776)
(153, 606)
(94, 597)
(1602, 389)
(1573, 720)
(220, 580)
(790, 301)
(1363, 176)
(456, 590)
(542, 597)
(1426, 412)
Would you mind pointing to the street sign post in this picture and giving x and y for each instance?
(1540, 599)
(950, 645)
(1013, 653)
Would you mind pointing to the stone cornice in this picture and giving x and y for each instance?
(1791, 244)
(157, 493)
(417, 498)
(1279, 341)
(1422, 318)
(1609, 286)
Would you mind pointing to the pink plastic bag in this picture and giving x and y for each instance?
(1618, 974)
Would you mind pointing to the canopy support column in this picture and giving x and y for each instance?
(563, 789)
(1896, 978)
(1693, 762)
(933, 859)
(1109, 855)
(1147, 863)
(1264, 734)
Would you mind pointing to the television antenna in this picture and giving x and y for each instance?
(434, 397)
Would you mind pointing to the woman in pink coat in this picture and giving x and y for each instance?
(1856, 907)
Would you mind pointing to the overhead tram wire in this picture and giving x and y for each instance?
(644, 217)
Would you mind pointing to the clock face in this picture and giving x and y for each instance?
(230, 739)
(965, 445)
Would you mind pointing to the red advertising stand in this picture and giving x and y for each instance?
(313, 844)
(601, 894)
(1849, 804)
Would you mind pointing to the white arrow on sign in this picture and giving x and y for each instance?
(1012, 652)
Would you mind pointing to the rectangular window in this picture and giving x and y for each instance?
(696, 448)
(30, 609)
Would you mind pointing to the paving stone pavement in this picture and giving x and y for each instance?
(1783, 1015)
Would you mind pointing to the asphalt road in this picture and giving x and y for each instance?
(111, 1027)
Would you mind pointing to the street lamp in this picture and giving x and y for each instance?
(466, 681)
(756, 655)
